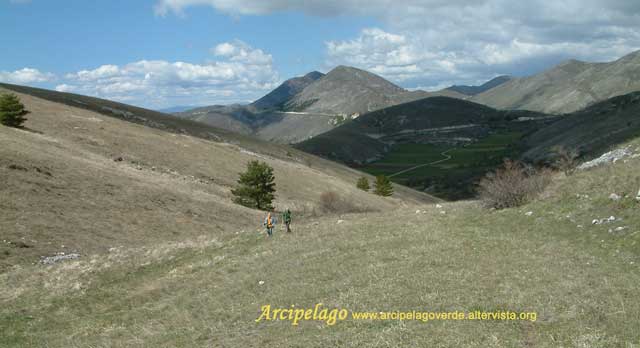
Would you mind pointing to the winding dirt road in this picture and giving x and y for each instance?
(444, 153)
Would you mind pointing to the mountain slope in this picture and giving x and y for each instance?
(578, 278)
(348, 90)
(77, 180)
(304, 107)
(264, 117)
(473, 90)
(420, 121)
(590, 131)
(287, 90)
(568, 87)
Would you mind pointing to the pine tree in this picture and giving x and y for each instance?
(256, 186)
(12, 112)
(363, 184)
(383, 186)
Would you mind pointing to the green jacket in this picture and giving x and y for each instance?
(286, 216)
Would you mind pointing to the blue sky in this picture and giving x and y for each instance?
(160, 53)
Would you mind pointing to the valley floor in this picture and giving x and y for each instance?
(579, 278)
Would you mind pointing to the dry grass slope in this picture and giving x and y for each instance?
(63, 189)
(206, 291)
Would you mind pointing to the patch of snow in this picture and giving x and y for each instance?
(609, 157)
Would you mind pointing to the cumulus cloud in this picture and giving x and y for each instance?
(242, 73)
(26, 76)
(238, 51)
(426, 42)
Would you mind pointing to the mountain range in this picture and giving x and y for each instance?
(305, 106)
(119, 227)
(358, 118)
(567, 87)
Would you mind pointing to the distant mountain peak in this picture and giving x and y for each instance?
(314, 75)
(571, 62)
(568, 86)
(473, 90)
(346, 90)
(287, 90)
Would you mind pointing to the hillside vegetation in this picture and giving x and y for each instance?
(546, 257)
(590, 131)
(80, 181)
(439, 144)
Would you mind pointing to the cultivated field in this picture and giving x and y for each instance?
(448, 171)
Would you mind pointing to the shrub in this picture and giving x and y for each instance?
(513, 185)
(383, 186)
(331, 202)
(566, 159)
(256, 186)
(363, 184)
(12, 112)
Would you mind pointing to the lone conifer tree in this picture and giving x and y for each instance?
(12, 112)
(383, 186)
(256, 186)
(363, 184)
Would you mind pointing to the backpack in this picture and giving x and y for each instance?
(273, 221)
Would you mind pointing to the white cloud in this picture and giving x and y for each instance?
(393, 56)
(104, 71)
(239, 51)
(424, 42)
(26, 76)
(65, 88)
(243, 74)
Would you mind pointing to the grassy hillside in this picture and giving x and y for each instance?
(590, 131)
(80, 181)
(580, 279)
(392, 141)
(446, 171)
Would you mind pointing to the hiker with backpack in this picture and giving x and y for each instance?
(286, 217)
(269, 222)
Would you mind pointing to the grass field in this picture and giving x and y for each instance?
(450, 178)
(580, 279)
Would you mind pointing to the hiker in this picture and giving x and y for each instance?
(286, 217)
(269, 222)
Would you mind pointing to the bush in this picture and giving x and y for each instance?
(331, 202)
(12, 112)
(256, 186)
(513, 185)
(566, 159)
(383, 186)
(363, 184)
